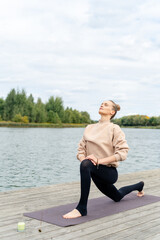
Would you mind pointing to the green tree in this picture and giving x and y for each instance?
(2, 102)
(20, 102)
(20, 118)
(55, 105)
(85, 117)
(124, 121)
(41, 115)
(53, 117)
(30, 109)
(15, 103)
(153, 121)
(9, 105)
(158, 120)
(76, 116)
(56, 118)
(25, 119)
(68, 115)
(17, 118)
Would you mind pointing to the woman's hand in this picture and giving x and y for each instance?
(92, 158)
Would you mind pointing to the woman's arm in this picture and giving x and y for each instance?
(81, 154)
(119, 144)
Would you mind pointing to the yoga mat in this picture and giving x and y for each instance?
(97, 208)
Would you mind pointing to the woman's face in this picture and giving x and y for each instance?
(106, 108)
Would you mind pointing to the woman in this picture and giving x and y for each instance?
(101, 148)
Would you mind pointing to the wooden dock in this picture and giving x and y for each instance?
(140, 223)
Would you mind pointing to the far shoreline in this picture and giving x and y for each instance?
(61, 125)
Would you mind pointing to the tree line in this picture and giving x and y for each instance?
(17, 107)
(137, 120)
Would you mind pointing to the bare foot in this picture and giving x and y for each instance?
(140, 194)
(73, 214)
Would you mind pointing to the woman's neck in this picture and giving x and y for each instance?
(105, 119)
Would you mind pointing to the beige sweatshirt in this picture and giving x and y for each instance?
(103, 139)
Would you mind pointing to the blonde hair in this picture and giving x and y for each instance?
(115, 107)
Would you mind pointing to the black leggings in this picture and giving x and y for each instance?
(103, 177)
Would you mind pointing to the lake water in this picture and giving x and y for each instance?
(32, 157)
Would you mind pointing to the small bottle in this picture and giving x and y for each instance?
(21, 227)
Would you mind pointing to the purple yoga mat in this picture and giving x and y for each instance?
(97, 208)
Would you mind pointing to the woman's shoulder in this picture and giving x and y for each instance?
(117, 128)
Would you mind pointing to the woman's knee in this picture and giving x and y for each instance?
(85, 164)
(117, 197)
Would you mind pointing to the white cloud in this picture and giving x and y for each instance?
(54, 92)
(84, 51)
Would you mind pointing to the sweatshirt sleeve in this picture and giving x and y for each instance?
(81, 149)
(120, 144)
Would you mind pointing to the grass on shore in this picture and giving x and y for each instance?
(145, 127)
(61, 125)
(45, 125)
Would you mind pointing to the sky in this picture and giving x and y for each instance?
(85, 52)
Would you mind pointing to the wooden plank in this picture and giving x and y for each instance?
(156, 237)
(138, 232)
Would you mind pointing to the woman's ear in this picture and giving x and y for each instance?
(112, 112)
